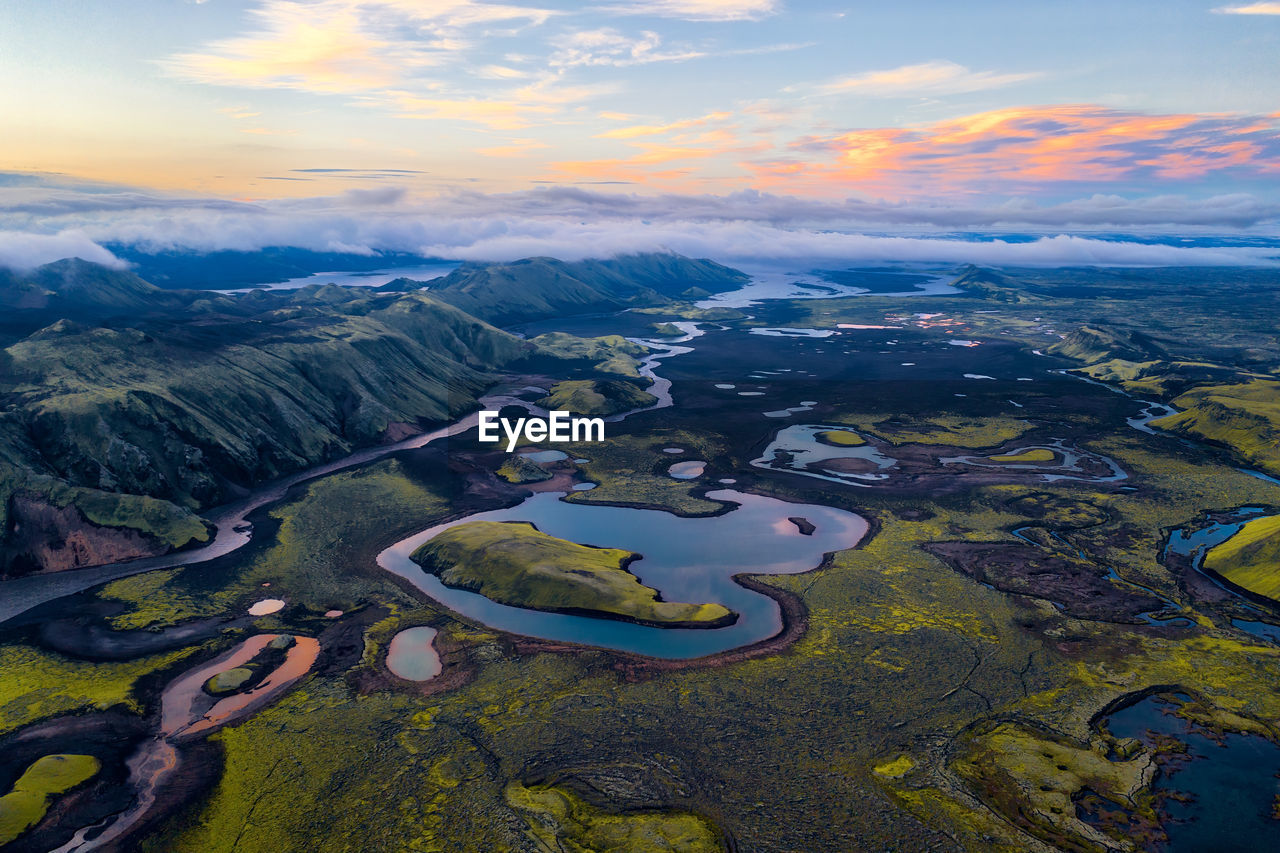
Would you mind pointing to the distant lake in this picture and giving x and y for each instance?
(364, 278)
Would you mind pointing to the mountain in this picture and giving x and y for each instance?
(994, 286)
(132, 409)
(1243, 417)
(1099, 343)
(538, 288)
(115, 435)
(195, 413)
(76, 289)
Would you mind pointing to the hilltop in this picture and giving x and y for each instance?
(537, 288)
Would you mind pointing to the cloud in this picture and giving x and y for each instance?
(699, 10)
(42, 223)
(607, 46)
(926, 79)
(345, 46)
(639, 130)
(513, 148)
(395, 55)
(495, 114)
(23, 251)
(1250, 9)
(1027, 149)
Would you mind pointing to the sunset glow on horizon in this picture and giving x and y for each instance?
(260, 99)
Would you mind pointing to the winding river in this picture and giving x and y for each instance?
(186, 711)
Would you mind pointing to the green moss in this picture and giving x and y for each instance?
(520, 469)
(596, 397)
(895, 768)
(667, 330)
(608, 353)
(175, 526)
(228, 681)
(950, 430)
(689, 311)
(1032, 455)
(1243, 417)
(560, 820)
(841, 438)
(631, 470)
(310, 559)
(519, 565)
(24, 806)
(39, 684)
(1251, 557)
(157, 598)
(1033, 779)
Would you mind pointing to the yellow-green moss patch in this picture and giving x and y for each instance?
(562, 821)
(516, 564)
(24, 806)
(841, 438)
(1029, 456)
(1251, 558)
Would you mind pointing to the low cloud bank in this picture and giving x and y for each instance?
(23, 251)
(43, 223)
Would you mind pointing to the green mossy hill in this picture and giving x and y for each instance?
(841, 438)
(41, 513)
(1243, 417)
(689, 311)
(1029, 456)
(561, 820)
(519, 565)
(1251, 558)
(951, 430)
(536, 288)
(520, 469)
(606, 354)
(1163, 378)
(1098, 343)
(596, 397)
(191, 410)
(228, 681)
(47, 777)
(995, 287)
(282, 643)
(667, 330)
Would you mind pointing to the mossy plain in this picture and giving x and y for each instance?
(914, 712)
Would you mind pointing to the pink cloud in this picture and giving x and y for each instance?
(1022, 148)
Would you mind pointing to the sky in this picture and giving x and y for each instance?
(811, 115)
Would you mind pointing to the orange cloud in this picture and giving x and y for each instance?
(1024, 147)
(700, 151)
(658, 129)
(928, 78)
